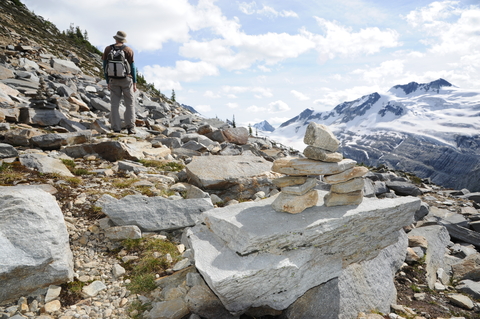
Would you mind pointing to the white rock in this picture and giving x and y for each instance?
(52, 293)
(34, 242)
(94, 288)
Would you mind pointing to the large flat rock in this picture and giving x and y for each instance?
(252, 256)
(274, 280)
(154, 213)
(256, 226)
(224, 171)
(34, 244)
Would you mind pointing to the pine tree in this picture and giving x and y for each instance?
(250, 129)
(233, 121)
(173, 96)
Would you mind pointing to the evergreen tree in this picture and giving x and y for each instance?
(233, 121)
(250, 129)
(256, 132)
(173, 96)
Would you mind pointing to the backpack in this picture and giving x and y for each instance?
(117, 66)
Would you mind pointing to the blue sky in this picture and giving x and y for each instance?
(269, 60)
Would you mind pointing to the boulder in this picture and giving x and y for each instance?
(252, 256)
(294, 204)
(154, 213)
(30, 215)
(202, 301)
(469, 287)
(300, 189)
(21, 137)
(404, 188)
(302, 166)
(236, 135)
(353, 185)
(467, 268)
(360, 287)
(357, 171)
(216, 172)
(170, 309)
(55, 141)
(343, 199)
(42, 117)
(110, 150)
(45, 164)
(64, 66)
(318, 154)
(437, 238)
(320, 136)
(7, 150)
(286, 181)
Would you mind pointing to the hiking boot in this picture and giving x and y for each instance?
(131, 130)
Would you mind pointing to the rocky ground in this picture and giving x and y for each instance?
(54, 105)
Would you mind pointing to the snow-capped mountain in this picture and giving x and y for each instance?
(430, 129)
(264, 126)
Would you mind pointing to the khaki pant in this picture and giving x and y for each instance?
(119, 87)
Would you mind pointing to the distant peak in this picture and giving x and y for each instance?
(414, 86)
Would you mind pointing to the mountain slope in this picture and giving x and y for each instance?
(264, 126)
(430, 129)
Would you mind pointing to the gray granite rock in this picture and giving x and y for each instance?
(361, 286)
(30, 215)
(7, 150)
(154, 213)
(224, 171)
(438, 239)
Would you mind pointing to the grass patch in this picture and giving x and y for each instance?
(94, 212)
(80, 172)
(415, 288)
(144, 269)
(145, 190)
(162, 165)
(74, 181)
(124, 183)
(71, 292)
(11, 172)
(137, 308)
(70, 164)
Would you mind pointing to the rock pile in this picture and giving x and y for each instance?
(297, 188)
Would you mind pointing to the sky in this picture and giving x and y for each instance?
(269, 60)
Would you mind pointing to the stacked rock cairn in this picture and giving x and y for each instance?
(298, 187)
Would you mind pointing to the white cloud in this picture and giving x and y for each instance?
(264, 92)
(203, 108)
(255, 109)
(212, 95)
(387, 69)
(442, 32)
(277, 107)
(300, 95)
(169, 78)
(251, 8)
(232, 105)
(342, 41)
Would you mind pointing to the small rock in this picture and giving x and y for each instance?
(461, 301)
(52, 293)
(94, 288)
(53, 306)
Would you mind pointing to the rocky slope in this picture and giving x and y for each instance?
(55, 139)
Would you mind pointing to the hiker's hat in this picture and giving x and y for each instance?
(120, 36)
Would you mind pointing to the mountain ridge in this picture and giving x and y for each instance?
(429, 129)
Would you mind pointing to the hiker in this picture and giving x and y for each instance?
(120, 73)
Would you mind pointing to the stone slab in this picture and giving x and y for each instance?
(303, 166)
(255, 226)
(223, 171)
(274, 280)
